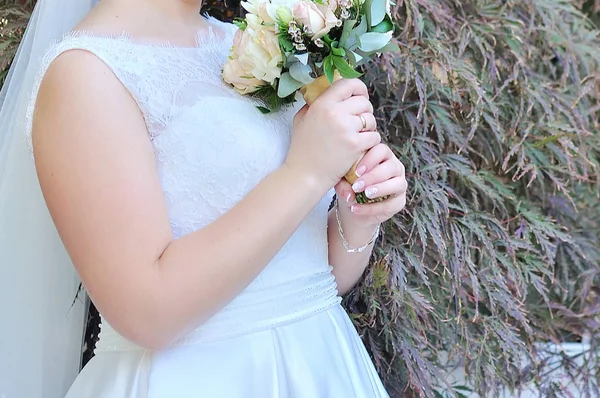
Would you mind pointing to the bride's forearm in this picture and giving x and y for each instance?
(347, 267)
(199, 273)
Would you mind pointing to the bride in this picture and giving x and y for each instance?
(201, 229)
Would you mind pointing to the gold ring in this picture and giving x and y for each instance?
(364, 122)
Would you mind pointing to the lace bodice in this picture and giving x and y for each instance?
(212, 148)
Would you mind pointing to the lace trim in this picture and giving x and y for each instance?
(212, 44)
(213, 36)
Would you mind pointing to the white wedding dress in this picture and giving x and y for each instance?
(286, 335)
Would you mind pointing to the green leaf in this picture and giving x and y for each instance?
(328, 68)
(301, 72)
(263, 110)
(461, 387)
(378, 12)
(345, 69)
(285, 42)
(241, 23)
(372, 41)
(336, 50)
(287, 85)
(384, 26)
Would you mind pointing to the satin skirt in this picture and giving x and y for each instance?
(317, 356)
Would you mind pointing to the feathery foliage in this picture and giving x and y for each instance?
(14, 15)
(493, 106)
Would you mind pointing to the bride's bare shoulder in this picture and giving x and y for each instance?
(77, 92)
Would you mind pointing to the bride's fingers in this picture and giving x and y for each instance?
(382, 211)
(344, 192)
(373, 157)
(357, 105)
(394, 186)
(380, 173)
(366, 122)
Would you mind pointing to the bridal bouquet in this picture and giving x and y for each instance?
(286, 46)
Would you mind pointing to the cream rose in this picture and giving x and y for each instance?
(319, 19)
(264, 54)
(333, 5)
(264, 14)
(254, 23)
(237, 72)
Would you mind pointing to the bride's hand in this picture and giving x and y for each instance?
(325, 139)
(381, 175)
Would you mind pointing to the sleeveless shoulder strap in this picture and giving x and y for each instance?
(129, 63)
(161, 78)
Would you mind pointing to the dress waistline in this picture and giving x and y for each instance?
(250, 312)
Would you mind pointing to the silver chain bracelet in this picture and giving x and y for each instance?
(345, 242)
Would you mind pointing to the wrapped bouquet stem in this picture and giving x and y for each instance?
(288, 46)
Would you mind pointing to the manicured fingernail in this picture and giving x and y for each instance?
(358, 186)
(354, 209)
(371, 192)
(361, 170)
(348, 196)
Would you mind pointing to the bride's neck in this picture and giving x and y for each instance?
(176, 21)
(181, 12)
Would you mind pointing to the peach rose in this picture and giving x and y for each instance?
(319, 19)
(264, 54)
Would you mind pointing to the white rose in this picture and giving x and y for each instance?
(266, 10)
(252, 6)
(319, 19)
(238, 73)
(274, 5)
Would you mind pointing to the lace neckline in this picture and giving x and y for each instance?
(217, 33)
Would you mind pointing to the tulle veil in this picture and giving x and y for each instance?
(41, 323)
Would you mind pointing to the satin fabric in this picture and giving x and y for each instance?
(318, 356)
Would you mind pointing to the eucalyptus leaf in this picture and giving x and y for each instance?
(303, 58)
(378, 12)
(358, 31)
(344, 68)
(362, 27)
(301, 73)
(372, 41)
(367, 10)
(346, 31)
(354, 58)
(287, 85)
(391, 47)
(290, 59)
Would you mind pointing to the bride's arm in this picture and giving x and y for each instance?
(348, 267)
(97, 169)
(383, 177)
